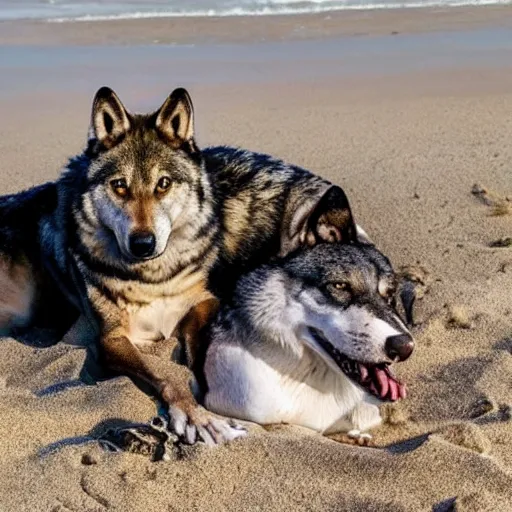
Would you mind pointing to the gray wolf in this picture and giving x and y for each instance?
(309, 339)
(143, 232)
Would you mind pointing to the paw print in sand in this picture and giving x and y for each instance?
(153, 440)
(157, 439)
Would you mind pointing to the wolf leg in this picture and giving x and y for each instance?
(363, 417)
(172, 381)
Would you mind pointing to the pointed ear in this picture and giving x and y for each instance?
(363, 237)
(324, 218)
(109, 119)
(175, 119)
(331, 220)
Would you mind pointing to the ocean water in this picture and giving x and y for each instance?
(89, 10)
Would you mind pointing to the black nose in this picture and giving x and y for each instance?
(399, 347)
(142, 245)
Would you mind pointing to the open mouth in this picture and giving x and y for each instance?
(377, 379)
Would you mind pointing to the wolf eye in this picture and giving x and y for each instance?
(340, 292)
(339, 287)
(162, 185)
(119, 187)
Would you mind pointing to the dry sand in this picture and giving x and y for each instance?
(407, 145)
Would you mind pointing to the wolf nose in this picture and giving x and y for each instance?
(142, 244)
(399, 347)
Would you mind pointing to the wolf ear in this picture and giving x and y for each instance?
(175, 118)
(326, 218)
(109, 119)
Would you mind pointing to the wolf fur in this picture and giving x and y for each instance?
(267, 360)
(143, 231)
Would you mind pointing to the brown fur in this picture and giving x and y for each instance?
(142, 213)
(237, 221)
(190, 329)
(18, 291)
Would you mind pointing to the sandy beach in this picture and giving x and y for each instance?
(407, 111)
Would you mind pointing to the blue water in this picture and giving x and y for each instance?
(76, 10)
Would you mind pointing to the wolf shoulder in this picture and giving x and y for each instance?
(256, 199)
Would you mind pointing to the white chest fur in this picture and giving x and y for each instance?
(279, 388)
(157, 320)
(152, 311)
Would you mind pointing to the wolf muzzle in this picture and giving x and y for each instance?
(142, 244)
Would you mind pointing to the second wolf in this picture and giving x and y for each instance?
(309, 340)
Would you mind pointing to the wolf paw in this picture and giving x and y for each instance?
(354, 437)
(199, 425)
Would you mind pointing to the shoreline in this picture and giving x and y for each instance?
(248, 29)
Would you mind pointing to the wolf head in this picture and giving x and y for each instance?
(343, 298)
(336, 298)
(143, 176)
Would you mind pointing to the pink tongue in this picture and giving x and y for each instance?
(388, 386)
(393, 389)
(383, 381)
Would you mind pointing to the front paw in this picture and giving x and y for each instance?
(354, 437)
(196, 424)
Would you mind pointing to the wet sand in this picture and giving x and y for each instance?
(244, 29)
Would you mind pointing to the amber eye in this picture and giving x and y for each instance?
(163, 185)
(340, 287)
(119, 187)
